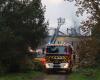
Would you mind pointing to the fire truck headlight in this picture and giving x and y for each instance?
(47, 65)
(66, 65)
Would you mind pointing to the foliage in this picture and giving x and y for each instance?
(21, 25)
(87, 51)
(92, 7)
(38, 66)
(21, 76)
(90, 48)
(85, 74)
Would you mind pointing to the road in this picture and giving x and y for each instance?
(53, 76)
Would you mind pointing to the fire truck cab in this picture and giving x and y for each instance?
(58, 57)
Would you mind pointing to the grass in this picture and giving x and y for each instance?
(97, 74)
(86, 74)
(21, 76)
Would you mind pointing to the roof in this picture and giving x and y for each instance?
(66, 44)
(55, 45)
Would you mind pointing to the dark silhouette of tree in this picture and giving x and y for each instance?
(21, 25)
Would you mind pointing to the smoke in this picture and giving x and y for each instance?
(64, 9)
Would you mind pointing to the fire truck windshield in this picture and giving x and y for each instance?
(56, 49)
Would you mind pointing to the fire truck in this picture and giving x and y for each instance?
(58, 56)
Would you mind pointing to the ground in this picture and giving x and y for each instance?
(53, 76)
(80, 74)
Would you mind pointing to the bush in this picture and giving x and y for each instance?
(16, 64)
(38, 66)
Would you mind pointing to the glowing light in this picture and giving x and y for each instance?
(66, 65)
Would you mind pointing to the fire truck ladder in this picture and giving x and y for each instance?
(60, 23)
